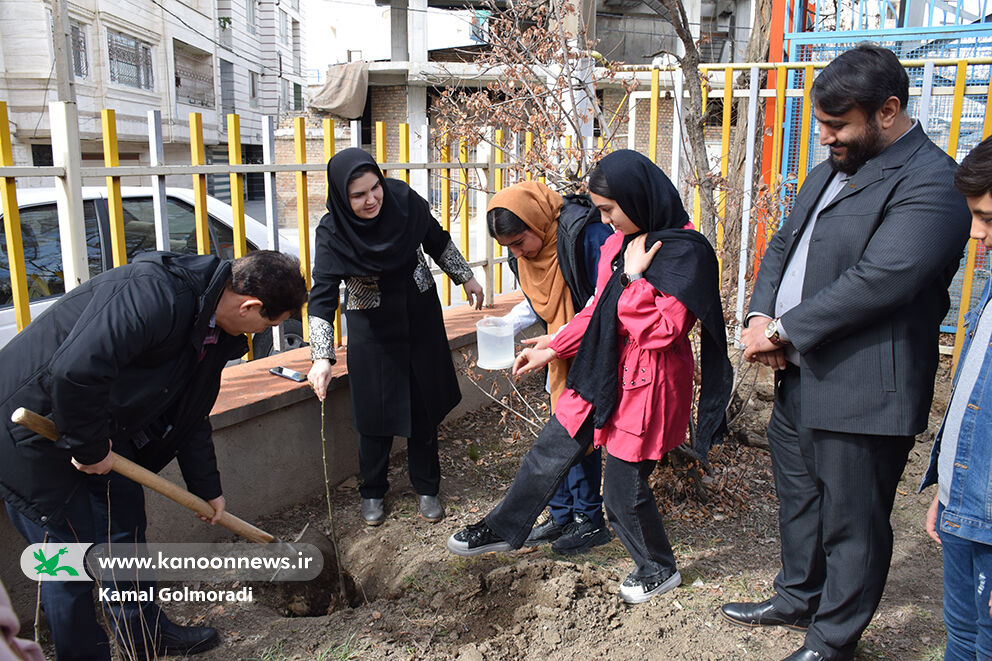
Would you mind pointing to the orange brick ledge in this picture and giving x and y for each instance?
(249, 390)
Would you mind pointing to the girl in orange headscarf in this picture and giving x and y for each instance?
(555, 244)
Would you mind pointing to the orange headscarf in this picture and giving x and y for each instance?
(540, 277)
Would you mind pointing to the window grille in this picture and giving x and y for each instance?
(253, 89)
(80, 63)
(130, 61)
(194, 78)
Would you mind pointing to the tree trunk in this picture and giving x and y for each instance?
(757, 51)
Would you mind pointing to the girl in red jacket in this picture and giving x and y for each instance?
(630, 386)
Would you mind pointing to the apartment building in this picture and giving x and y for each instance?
(213, 57)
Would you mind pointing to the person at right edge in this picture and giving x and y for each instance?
(958, 518)
(846, 308)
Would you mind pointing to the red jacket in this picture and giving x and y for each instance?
(656, 369)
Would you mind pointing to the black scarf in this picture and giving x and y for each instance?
(685, 267)
(351, 246)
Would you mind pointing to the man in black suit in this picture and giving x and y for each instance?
(846, 308)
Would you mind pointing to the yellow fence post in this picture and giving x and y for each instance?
(329, 150)
(528, 146)
(463, 198)
(405, 151)
(987, 124)
(498, 155)
(12, 228)
(446, 214)
(780, 76)
(197, 158)
(237, 200)
(380, 144)
(969, 267)
(775, 175)
(115, 210)
(653, 116)
(728, 105)
(804, 126)
(237, 185)
(302, 210)
(697, 212)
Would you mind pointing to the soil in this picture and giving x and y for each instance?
(418, 601)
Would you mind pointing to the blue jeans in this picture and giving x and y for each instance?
(967, 583)
(579, 493)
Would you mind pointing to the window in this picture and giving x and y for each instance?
(41, 155)
(297, 96)
(139, 229)
(226, 90)
(43, 252)
(80, 62)
(130, 61)
(297, 56)
(285, 100)
(253, 89)
(250, 15)
(283, 27)
(194, 75)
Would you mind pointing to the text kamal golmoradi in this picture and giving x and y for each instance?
(174, 594)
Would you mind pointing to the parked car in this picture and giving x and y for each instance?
(43, 254)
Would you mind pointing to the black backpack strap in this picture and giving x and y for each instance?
(576, 214)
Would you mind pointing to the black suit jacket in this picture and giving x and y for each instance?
(881, 257)
(117, 355)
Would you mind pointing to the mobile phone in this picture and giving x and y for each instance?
(287, 373)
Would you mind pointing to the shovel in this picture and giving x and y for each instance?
(315, 597)
(45, 427)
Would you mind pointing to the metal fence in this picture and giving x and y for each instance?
(951, 97)
(458, 182)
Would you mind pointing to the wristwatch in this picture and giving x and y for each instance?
(771, 332)
(627, 278)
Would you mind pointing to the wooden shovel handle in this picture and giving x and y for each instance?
(45, 427)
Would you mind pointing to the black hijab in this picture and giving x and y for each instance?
(685, 267)
(351, 246)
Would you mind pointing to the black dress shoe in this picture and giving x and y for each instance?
(762, 614)
(804, 654)
(175, 639)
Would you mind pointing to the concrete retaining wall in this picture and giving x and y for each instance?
(267, 439)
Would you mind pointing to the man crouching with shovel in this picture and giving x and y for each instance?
(129, 360)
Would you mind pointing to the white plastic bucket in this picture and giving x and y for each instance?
(494, 337)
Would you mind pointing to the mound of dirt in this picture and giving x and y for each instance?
(418, 601)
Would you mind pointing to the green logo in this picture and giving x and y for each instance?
(51, 566)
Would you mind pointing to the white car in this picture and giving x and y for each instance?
(43, 256)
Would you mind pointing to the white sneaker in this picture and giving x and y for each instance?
(635, 590)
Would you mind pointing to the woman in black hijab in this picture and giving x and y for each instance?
(373, 238)
(630, 386)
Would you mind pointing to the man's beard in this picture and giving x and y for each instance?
(859, 150)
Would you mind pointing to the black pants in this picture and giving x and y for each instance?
(421, 452)
(103, 504)
(542, 470)
(835, 492)
(633, 511)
